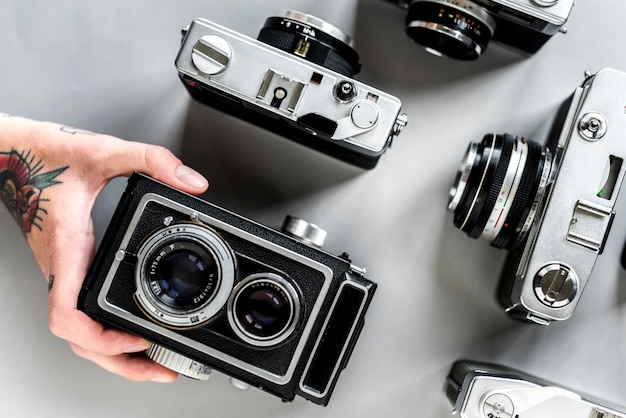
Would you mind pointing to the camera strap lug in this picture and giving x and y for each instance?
(537, 319)
(360, 271)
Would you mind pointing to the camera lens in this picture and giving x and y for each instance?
(264, 309)
(498, 188)
(313, 39)
(454, 29)
(183, 275)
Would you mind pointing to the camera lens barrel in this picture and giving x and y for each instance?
(184, 275)
(454, 29)
(313, 39)
(264, 309)
(499, 187)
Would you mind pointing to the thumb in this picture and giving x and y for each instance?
(156, 161)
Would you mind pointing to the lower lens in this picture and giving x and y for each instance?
(313, 39)
(183, 275)
(454, 29)
(498, 189)
(264, 309)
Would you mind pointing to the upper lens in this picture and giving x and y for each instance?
(313, 39)
(183, 275)
(454, 29)
(264, 309)
(498, 188)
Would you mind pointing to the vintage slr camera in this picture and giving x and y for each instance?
(552, 205)
(213, 290)
(295, 80)
(462, 29)
(480, 390)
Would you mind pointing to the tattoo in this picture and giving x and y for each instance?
(74, 131)
(21, 185)
(50, 282)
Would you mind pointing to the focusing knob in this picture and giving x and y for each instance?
(303, 231)
(211, 54)
(178, 363)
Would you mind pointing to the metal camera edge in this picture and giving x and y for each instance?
(478, 390)
(462, 29)
(287, 88)
(215, 291)
(552, 206)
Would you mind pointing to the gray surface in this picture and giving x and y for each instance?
(108, 67)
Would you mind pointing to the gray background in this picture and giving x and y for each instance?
(107, 66)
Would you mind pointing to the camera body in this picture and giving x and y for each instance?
(462, 29)
(213, 290)
(295, 81)
(552, 205)
(480, 390)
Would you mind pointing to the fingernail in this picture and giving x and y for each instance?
(162, 379)
(137, 348)
(191, 177)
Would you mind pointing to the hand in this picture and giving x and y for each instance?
(50, 176)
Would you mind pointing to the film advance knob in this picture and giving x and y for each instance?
(211, 54)
(303, 231)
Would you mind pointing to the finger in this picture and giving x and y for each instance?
(65, 320)
(136, 368)
(78, 328)
(155, 161)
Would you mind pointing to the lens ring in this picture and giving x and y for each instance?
(532, 184)
(320, 24)
(183, 238)
(182, 274)
(312, 39)
(499, 197)
(460, 183)
(460, 30)
(264, 309)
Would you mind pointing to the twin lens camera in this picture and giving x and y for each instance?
(553, 205)
(295, 80)
(213, 290)
(462, 29)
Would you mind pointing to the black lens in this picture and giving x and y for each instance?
(183, 275)
(264, 308)
(499, 187)
(458, 30)
(313, 39)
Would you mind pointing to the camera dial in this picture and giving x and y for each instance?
(178, 363)
(499, 187)
(184, 275)
(304, 231)
(313, 39)
(450, 28)
(264, 309)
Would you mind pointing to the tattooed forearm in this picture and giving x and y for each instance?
(22, 182)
